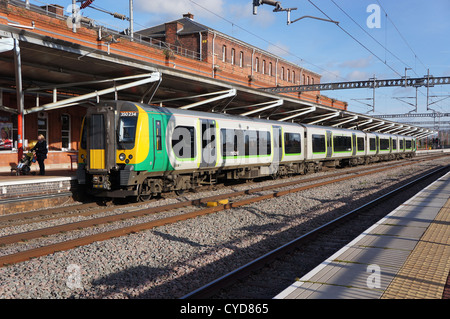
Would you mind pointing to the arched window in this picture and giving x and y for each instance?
(224, 53)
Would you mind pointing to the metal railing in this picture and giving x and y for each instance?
(52, 10)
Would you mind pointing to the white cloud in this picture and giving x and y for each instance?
(174, 9)
(358, 76)
(358, 63)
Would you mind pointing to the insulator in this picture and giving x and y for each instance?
(86, 4)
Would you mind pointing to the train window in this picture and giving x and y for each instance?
(264, 143)
(384, 144)
(245, 143)
(372, 144)
(158, 135)
(342, 143)
(127, 132)
(97, 132)
(251, 143)
(408, 144)
(401, 144)
(292, 143)
(394, 144)
(361, 144)
(318, 143)
(183, 142)
(84, 134)
(232, 142)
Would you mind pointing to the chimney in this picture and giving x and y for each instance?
(189, 16)
(55, 9)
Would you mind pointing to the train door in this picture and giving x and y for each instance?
(390, 144)
(97, 142)
(209, 152)
(159, 153)
(378, 144)
(329, 144)
(354, 144)
(277, 143)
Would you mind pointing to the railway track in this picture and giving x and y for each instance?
(49, 249)
(261, 264)
(92, 208)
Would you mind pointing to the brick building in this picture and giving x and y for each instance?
(228, 56)
(183, 44)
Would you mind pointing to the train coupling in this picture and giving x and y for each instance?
(101, 182)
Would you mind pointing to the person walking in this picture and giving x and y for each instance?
(40, 149)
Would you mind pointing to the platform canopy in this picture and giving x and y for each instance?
(76, 74)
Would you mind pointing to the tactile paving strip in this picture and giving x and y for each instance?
(424, 274)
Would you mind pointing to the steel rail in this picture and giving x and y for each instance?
(70, 244)
(215, 286)
(25, 236)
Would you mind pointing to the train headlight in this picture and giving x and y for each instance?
(122, 156)
(82, 156)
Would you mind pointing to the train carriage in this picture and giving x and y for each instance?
(129, 149)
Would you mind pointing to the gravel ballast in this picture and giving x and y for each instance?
(172, 260)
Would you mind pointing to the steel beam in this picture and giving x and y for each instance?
(387, 127)
(224, 95)
(152, 77)
(271, 105)
(414, 82)
(362, 124)
(336, 114)
(386, 116)
(372, 127)
(351, 119)
(304, 111)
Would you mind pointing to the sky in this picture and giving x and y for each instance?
(374, 38)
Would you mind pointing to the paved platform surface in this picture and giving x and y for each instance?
(50, 175)
(405, 255)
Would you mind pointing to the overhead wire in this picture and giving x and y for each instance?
(373, 38)
(267, 41)
(355, 39)
(401, 35)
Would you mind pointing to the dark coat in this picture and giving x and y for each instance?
(41, 150)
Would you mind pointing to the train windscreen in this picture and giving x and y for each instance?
(126, 134)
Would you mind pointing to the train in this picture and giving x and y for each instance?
(132, 150)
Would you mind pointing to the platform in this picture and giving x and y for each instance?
(406, 255)
(27, 192)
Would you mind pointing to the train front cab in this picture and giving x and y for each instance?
(104, 155)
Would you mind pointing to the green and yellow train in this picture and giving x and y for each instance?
(136, 150)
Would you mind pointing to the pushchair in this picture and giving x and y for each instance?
(24, 165)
